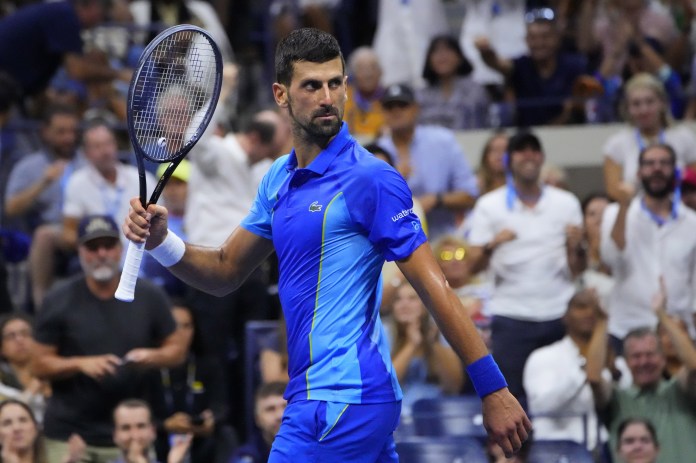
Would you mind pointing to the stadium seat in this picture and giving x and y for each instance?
(558, 451)
(449, 416)
(441, 450)
(255, 332)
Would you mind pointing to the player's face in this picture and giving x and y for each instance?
(17, 429)
(132, 426)
(645, 360)
(636, 445)
(315, 98)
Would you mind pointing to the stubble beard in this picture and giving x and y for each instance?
(316, 133)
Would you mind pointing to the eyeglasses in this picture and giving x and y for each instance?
(458, 254)
(12, 335)
(539, 14)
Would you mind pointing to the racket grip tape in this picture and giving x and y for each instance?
(131, 268)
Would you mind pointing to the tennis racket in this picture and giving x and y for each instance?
(171, 99)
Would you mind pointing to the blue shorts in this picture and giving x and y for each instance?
(318, 431)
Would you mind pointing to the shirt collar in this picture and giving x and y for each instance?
(635, 391)
(322, 162)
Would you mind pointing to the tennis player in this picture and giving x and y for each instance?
(333, 213)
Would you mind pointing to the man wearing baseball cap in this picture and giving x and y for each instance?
(95, 349)
(431, 160)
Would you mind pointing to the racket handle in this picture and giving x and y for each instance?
(131, 268)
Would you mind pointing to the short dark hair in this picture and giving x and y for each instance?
(664, 146)
(522, 140)
(374, 148)
(464, 68)
(132, 403)
(10, 317)
(272, 388)
(264, 129)
(634, 420)
(57, 109)
(591, 197)
(305, 44)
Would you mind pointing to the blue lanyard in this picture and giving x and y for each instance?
(511, 191)
(642, 146)
(656, 218)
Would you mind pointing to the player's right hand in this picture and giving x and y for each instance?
(146, 226)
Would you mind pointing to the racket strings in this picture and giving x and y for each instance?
(173, 94)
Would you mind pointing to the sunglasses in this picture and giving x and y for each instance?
(458, 254)
(539, 14)
(107, 243)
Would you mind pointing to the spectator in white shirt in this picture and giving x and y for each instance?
(645, 237)
(530, 236)
(559, 397)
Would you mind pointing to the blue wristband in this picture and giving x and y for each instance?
(486, 376)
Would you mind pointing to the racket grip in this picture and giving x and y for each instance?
(131, 268)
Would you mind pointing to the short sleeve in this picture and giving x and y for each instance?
(259, 219)
(382, 204)
(24, 174)
(49, 323)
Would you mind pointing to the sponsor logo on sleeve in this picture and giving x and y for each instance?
(402, 214)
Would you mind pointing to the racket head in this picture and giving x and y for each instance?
(173, 93)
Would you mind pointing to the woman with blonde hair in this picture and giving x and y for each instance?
(646, 109)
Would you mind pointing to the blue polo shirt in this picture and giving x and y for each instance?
(333, 224)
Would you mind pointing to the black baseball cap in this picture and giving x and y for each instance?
(399, 93)
(97, 226)
(523, 140)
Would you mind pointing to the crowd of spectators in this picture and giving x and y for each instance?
(588, 304)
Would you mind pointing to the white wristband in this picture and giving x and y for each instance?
(170, 251)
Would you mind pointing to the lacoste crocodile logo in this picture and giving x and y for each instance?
(315, 207)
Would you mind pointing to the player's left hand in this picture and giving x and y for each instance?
(505, 420)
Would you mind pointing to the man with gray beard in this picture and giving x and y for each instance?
(96, 350)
